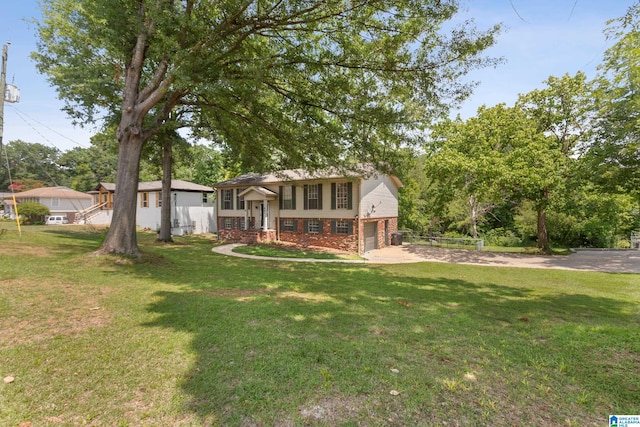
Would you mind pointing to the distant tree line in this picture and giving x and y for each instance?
(35, 165)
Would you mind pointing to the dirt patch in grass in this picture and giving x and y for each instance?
(332, 410)
(33, 315)
(21, 251)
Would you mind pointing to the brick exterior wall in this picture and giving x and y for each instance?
(243, 236)
(326, 238)
(382, 239)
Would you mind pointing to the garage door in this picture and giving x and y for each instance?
(370, 236)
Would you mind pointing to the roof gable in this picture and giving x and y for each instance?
(258, 193)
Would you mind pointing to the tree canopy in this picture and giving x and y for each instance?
(615, 152)
(279, 83)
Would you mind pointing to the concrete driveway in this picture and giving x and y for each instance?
(611, 261)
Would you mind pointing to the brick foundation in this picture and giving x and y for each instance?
(326, 239)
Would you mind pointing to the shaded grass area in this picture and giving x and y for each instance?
(189, 337)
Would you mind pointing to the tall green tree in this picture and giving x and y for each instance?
(615, 153)
(468, 160)
(31, 162)
(500, 155)
(276, 82)
(562, 112)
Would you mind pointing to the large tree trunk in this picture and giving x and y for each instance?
(121, 237)
(165, 210)
(543, 239)
(473, 214)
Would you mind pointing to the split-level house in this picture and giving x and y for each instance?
(61, 201)
(192, 206)
(354, 212)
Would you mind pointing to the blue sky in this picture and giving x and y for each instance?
(541, 38)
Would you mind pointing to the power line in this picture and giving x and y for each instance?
(22, 116)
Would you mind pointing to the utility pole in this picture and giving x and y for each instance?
(3, 85)
(3, 95)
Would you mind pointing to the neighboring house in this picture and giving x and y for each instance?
(192, 206)
(5, 198)
(352, 212)
(61, 201)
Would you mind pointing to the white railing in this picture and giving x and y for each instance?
(85, 215)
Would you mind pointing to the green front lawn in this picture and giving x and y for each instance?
(189, 337)
(287, 251)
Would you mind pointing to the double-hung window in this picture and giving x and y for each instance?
(239, 198)
(289, 225)
(287, 197)
(313, 226)
(342, 195)
(343, 227)
(227, 199)
(313, 196)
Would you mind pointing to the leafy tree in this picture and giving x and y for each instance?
(30, 163)
(501, 155)
(468, 161)
(25, 184)
(34, 212)
(276, 83)
(615, 153)
(562, 112)
(202, 164)
(87, 167)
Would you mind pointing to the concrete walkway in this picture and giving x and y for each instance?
(228, 250)
(610, 261)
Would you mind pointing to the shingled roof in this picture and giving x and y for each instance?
(176, 184)
(291, 175)
(59, 192)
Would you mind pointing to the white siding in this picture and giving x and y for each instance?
(326, 211)
(187, 207)
(68, 205)
(379, 198)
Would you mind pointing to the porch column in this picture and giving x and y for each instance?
(247, 209)
(265, 222)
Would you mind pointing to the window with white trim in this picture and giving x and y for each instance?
(288, 225)
(312, 197)
(313, 226)
(342, 195)
(227, 223)
(342, 227)
(227, 200)
(287, 197)
(239, 198)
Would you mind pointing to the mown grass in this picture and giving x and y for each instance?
(286, 251)
(188, 337)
